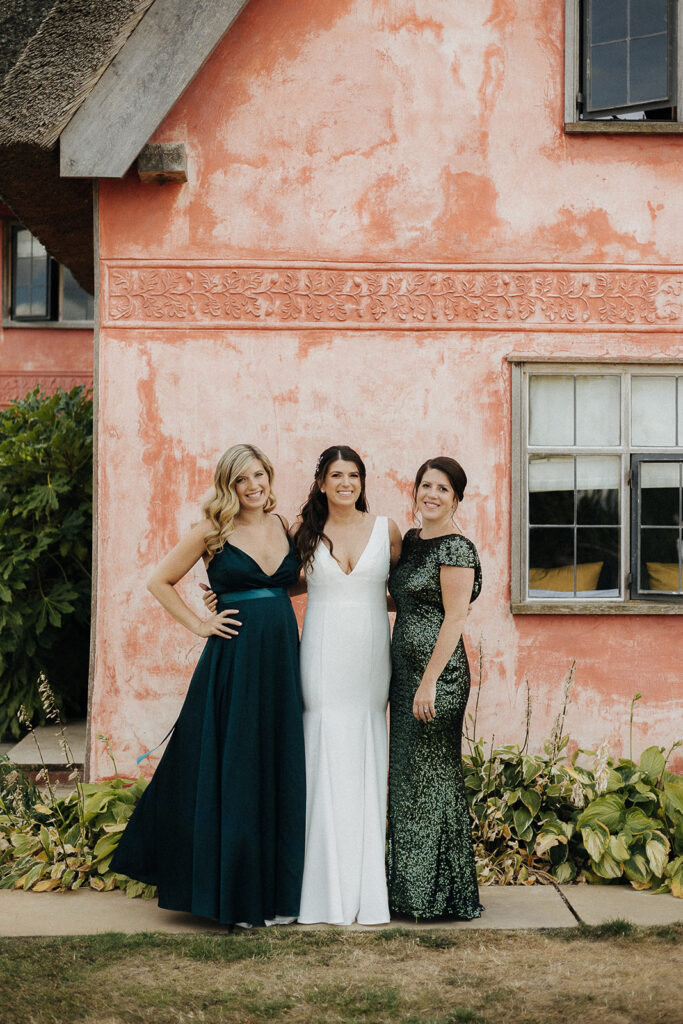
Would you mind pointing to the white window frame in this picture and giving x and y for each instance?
(520, 602)
(572, 84)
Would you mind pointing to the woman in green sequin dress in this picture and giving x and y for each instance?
(430, 854)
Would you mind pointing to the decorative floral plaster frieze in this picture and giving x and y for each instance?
(16, 384)
(393, 298)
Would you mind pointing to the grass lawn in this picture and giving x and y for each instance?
(613, 974)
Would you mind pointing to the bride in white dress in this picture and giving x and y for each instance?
(345, 671)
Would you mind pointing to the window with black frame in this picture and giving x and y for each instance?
(657, 540)
(628, 60)
(40, 289)
(603, 496)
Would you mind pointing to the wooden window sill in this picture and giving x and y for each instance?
(623, 127)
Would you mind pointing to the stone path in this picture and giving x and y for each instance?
(25, 754)
(86, 912)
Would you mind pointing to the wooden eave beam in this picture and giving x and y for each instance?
(141, 85)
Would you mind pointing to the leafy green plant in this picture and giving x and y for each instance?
(542, 818)
(45, 531)
(50, 842)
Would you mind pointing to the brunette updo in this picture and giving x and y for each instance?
(450, 468)
(314, 510)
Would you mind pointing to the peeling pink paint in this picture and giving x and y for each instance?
(371, 134)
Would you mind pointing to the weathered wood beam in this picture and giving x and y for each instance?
(141, 85)
(161, 162)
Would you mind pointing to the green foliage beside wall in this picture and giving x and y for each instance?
(45, 552)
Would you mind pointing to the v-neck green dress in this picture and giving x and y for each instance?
(220, 829)
(430, 854)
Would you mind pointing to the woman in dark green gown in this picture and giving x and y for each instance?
(430, 853)
(220, 829)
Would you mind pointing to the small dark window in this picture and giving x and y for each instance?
(657, 527)
(41, 289)
(31, 277)
(629, 64)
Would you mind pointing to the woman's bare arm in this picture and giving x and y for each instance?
(395, 544)
(171, 570)
(456, 590)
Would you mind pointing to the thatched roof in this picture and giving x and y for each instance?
(52, 53)
(55, 59)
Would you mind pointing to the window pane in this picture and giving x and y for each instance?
(648, 70)
(38, 273)
(551, 410)
(608, 81)
(76, 303)
(551, 490)
(24, 240)
(660, 493)
(22, 301)
(551, 562)
(608, 20)
(648, 16)
(598, 418)
(680, 410)
(597, 481)
(653, 411)
(597, 558)
(22, 273)
(660, 568)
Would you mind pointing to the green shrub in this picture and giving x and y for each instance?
(45, 552)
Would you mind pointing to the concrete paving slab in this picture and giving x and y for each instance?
(513, 907)
(598, 904)
(87, 913)
(25, 753)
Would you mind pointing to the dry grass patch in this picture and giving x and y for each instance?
(618, 975)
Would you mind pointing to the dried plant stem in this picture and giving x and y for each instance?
(635, 700)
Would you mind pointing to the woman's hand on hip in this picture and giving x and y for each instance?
(220, 624)
(423, 702)
(209, 597)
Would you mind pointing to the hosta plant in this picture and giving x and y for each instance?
(546, 817)
(50, 842)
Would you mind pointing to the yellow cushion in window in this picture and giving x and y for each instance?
(562, 578)
(663, 575)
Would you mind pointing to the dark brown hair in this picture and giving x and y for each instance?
(452, 469)
(314, 510)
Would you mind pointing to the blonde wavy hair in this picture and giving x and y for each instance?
(222, 506)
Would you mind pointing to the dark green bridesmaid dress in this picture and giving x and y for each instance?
(221, 827)
(430, 855)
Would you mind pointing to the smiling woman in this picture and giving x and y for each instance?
(345, 669)
(220, 828)
(431, 859)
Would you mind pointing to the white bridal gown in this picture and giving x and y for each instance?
(345, 671)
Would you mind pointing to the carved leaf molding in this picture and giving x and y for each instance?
(285, 297)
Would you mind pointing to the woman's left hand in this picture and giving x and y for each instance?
(423, 703)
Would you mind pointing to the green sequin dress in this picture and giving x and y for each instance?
(430, 854)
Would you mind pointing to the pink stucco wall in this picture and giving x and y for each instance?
(374, 190)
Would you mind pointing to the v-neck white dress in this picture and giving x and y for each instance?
(345, 673)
